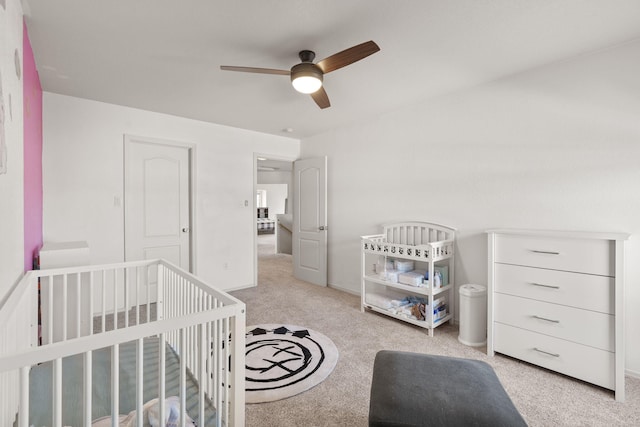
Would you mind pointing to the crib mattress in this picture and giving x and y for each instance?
(40, 384)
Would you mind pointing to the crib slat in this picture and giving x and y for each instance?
(204, 348)
(224, 369)
(50, 311)
(78, 305)
(64, 307)
(115, 384)
(237, 385)
(23, 416)
(125, 273)
(217, 370)
(57, 393)
(88, 387)
(137, 295)
(183, 377)
(90, 320)
(209, 359)
(174, 308)
(148, 283)
(189, 331)
(115, 299)
(104, 300)
(139, 379)
(196, 339)
(161, 376)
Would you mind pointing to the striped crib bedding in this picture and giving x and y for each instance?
(72, 379)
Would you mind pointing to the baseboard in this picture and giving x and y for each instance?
(633, 374)
(241, 287)
(340, 288)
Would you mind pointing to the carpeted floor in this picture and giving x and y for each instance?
(542, 397)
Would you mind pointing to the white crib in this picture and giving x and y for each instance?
(84, 310)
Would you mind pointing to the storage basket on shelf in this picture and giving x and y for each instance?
(408, 273)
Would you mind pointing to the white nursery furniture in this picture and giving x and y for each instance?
(394, 264)
(59, 255)
(555, 299)
(173, 335)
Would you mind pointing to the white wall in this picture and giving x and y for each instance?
(83, 177)
(276, 198)
(555, 148)
(11, 183)
(278, 177)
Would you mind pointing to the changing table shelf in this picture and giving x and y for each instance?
(422, 290)
(420, 323)
(424, 247)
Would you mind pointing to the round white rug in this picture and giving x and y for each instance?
(285, 360)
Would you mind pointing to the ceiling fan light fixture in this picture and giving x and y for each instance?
(306, 77)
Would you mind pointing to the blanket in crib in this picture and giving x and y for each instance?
(40, 384)
(150, 416)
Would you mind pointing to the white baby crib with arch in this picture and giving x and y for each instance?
(82, 343)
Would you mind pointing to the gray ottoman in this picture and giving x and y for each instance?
(411, 389)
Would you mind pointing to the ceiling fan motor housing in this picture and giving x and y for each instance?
(306, 69)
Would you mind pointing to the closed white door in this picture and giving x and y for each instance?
(310, 220)
(157, 211)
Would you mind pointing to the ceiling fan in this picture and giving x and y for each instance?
(306, 77)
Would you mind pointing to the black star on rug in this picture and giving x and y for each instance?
(281, 330)
(301, 334)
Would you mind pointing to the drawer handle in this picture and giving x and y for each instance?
(545, 319)
(545, 252)
(545, 286)
(546, 352)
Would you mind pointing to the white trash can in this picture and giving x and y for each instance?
(473, 315)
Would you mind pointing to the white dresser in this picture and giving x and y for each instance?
(555, 299)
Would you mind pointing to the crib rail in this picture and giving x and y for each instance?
(83, 309)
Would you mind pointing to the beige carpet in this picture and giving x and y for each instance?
(542, 397)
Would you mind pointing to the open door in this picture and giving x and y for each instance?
(310, 220)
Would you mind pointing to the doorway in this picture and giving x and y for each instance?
(272, 206)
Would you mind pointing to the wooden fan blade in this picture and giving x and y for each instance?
(321, 98)
(255, 70)
(348, 56)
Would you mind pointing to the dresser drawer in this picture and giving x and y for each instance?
(579, 361)
(578, 290)
(572, 324)
(578, 255)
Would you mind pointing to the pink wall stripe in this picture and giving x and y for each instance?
(32, 153)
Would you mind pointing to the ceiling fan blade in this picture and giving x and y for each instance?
(255, 70)
(321, 98)
(348, 56)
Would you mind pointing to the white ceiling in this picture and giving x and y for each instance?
(164, 55)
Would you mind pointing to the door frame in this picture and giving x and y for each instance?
(253, 203)
(192, 156)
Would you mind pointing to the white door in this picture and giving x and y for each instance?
(310, 220)
(157, 214)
